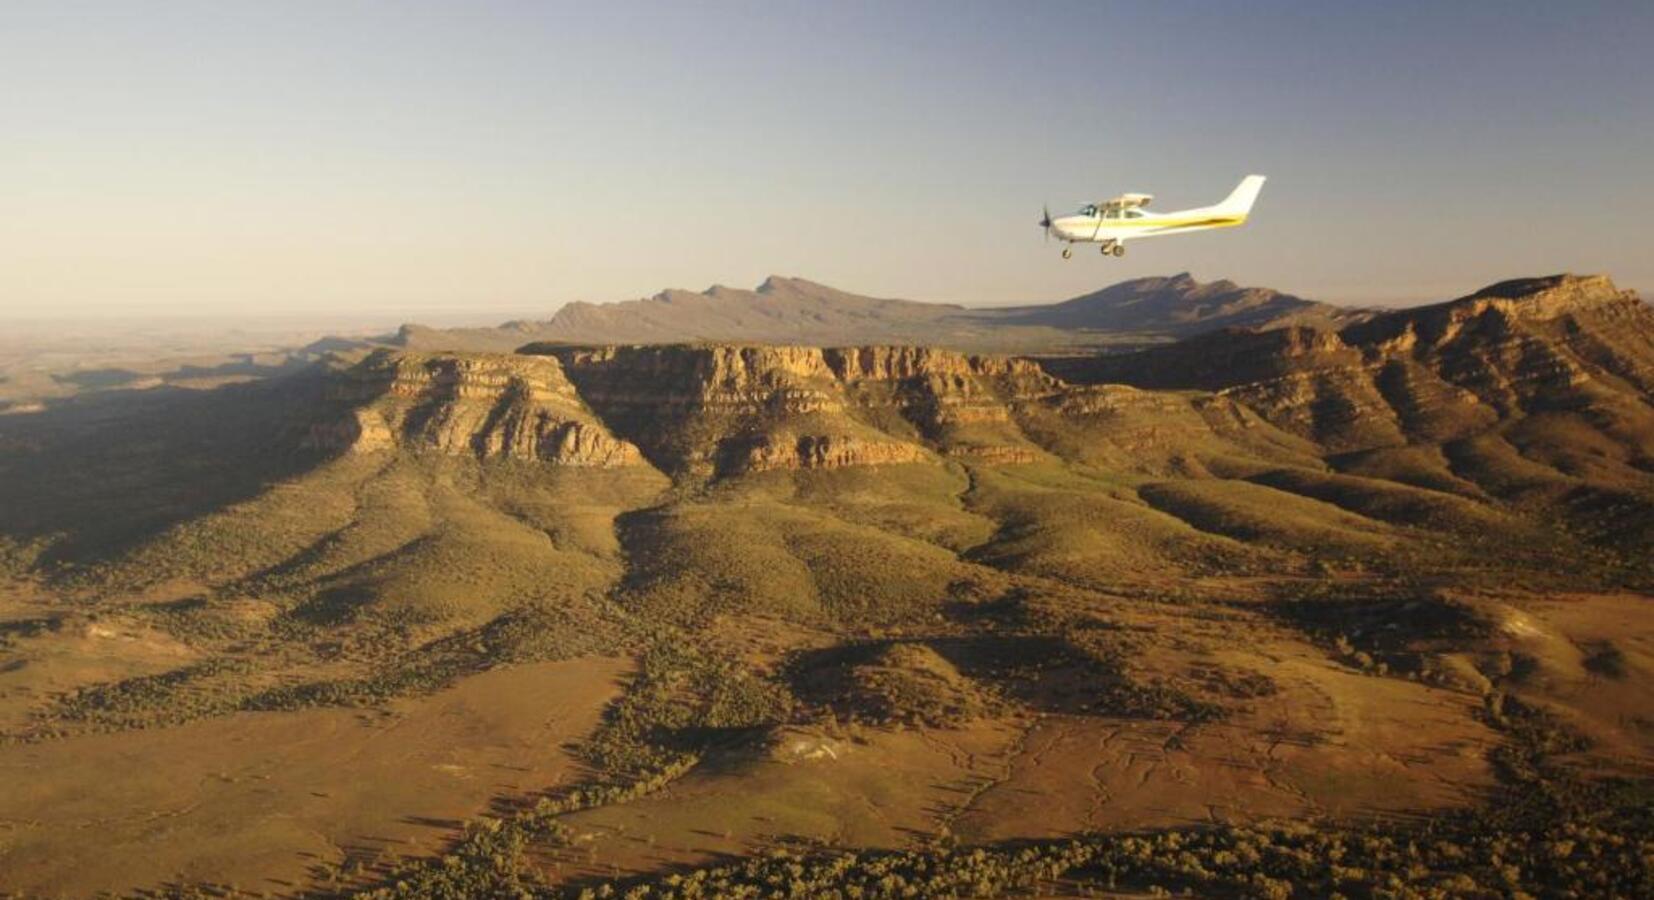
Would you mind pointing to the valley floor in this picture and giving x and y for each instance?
(267, 802)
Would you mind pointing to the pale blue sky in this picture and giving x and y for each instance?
(399, 158)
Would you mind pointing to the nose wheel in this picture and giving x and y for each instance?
(1067, 252)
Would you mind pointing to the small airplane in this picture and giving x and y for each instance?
(1113, 222)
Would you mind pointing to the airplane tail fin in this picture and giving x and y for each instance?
(1240, 200)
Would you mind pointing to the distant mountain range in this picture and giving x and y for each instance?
(795, 311)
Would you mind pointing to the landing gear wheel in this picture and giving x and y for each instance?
(1119, 250)
(1103, 249)
(1067, 252)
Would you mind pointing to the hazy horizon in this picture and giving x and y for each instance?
(499, 160)
(367, 323)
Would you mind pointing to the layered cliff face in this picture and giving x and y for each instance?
(939, 388)
(724, 409)
(1556, 370)
(488, 406)
(1543, 347)
(721, 409)
(713, 411)
(1524, 345)
(966, 406)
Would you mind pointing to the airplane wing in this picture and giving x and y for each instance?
(1128, 201)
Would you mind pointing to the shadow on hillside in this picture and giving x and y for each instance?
(95, 474)
(1043, 672)
(244, 365)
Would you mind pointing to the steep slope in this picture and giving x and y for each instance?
(1568, 345)
(484, 406)
(718, 410)
(1533, 390)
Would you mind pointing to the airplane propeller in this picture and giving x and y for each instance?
(1045, 222)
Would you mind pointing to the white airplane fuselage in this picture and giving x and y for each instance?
(1114, 223)
(1100, 229)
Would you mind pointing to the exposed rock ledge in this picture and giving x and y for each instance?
(488, 406)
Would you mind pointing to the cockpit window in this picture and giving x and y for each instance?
(1134, 214)
(1088, 210)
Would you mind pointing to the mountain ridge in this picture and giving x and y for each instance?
(1536, 391)
(1536, 348)
(795, 310)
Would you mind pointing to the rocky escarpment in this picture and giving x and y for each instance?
(1522, 343)
(719, 409)
(1564, 344)
(712, 411)
(763, 452)
(488, 406)
(704, 412)
(1307, 380)
(938, 388)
